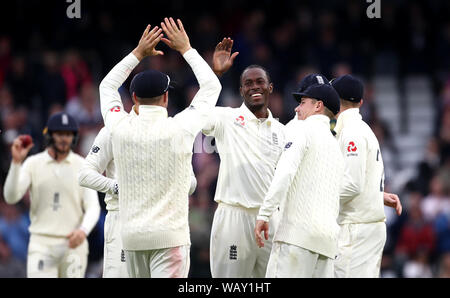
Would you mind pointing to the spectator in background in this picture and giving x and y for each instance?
(9, 266)
(85, 108)
(14, 228)
(51, 84)
(20, 82)
(75, 72)
(437, 201)
(418, 266)
(444, 266)
(416, 234)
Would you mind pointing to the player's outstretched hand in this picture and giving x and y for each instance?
(222, 58)
(392, 200)
(261, 226)
(20, 148)
(148, 42)
(177, 37)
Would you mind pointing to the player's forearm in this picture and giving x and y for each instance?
(92, 210)
(90, 178)
(13, 189)
(109, 87)
(210, 86)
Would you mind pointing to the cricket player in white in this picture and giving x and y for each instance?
(152, 154)
(99, 160)
(249, 141)
(361, 218)
(306, 185)
(62, 213)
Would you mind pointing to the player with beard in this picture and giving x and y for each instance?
(249, 141)
(62, 213)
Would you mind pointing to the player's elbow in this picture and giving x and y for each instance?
(82, 177)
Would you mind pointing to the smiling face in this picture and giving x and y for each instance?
(255, 88)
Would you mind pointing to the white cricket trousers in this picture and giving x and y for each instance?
(114, 261)
(171, 262)
(234, 252)
(292, 261)
(360, 249)
(51, 257)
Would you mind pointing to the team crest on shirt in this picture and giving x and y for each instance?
(233, 252)
(240, 121)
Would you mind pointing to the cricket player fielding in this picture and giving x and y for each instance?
(152, 154)
(249, 141)
(99, 160)
(62, 213)
(361, 218)
(306, 185)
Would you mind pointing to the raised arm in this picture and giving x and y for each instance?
(194, 117)
(110, 101)
(19, 179)
(222, 57)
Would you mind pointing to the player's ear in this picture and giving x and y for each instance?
(270, 88)
(166, 99)
(134, 98)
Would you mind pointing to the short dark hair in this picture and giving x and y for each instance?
(255, 66)
(149, 101)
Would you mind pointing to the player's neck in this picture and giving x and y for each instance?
(57, 155)
(260, 112)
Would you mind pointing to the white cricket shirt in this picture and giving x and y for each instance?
(249, 149)
(363, 184)
(58, 204)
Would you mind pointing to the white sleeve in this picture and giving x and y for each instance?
(354, 149)
(193, 183)
(110, 101)
(91, 209)
(95, 163)
(17, 182)
(285, 172)
(194, 118)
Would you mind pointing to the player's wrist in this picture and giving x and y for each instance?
(138, 54)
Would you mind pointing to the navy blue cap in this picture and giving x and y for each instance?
(325, 93)
(62, 122)
(149, 84)
(308, 81)
(349, 88)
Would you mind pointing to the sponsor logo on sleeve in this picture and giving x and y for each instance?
(115, 109)
(352, 150)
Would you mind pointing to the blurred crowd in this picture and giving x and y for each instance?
(49, 63)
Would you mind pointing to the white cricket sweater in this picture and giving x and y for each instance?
(58, 204)
(152, 154)
(363, 184)
(307, 182)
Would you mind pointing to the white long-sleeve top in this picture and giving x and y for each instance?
(152, 154)
(363, 185)
(249, 150)
(101, 159)
(307, 182)
(58, 204)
